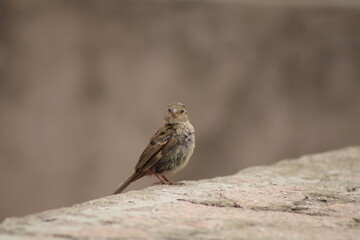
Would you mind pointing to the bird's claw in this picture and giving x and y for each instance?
(168, 183)
(176, 183)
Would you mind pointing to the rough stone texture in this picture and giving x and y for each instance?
(313, 197)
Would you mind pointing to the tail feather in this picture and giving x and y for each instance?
(126, 183)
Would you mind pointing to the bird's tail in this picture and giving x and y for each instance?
(126, 183)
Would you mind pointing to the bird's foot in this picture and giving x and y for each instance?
(176, 183)
(165, 181)
(161, 183)
(168, 183)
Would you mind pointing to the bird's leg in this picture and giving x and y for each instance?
(171, 183)
(163, 179)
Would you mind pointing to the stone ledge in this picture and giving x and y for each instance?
(313, 197)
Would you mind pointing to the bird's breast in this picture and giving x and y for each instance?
(178, 157)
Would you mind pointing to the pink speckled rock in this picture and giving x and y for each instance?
(313, 197)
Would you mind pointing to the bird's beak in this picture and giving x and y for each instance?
(175, 112)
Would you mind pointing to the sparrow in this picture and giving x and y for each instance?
(169, 150)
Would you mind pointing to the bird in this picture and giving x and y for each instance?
(169, 149)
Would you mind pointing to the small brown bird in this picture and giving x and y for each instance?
(169, 149)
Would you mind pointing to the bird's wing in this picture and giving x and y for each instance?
(160, 144)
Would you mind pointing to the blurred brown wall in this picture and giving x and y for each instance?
(84, 84)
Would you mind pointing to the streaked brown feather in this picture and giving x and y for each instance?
(162, 141)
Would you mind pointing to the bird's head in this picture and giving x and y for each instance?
(176, 113)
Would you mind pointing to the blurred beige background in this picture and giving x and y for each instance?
(84, 84)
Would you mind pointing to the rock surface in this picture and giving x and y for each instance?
(313, 197)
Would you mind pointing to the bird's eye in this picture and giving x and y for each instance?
(169, 110)
(182, 111)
